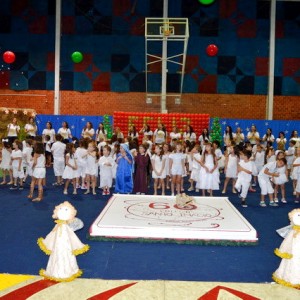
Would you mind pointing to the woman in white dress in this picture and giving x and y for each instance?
(101, 133)
(268, 138)
(50, 132)
(189, 134)
(88, 131)
(238, 136)
(133, 132)
(146, 131)
(204, 137)
(119, 134)
(31, 128)
(295, 137)
(160, 135)
(13, 130)
(253, 135)
(175, 136)
(281, 141)
(65, 132)
(227, 137)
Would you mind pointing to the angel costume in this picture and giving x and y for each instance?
(62, 245)
(288, 273)
(207, 180)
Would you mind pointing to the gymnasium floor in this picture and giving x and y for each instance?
(118, 270)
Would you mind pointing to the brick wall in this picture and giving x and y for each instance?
(100, 103)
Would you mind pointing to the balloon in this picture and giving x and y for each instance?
(9, 57)
(77, 57)
(212, 50)
(206, 2)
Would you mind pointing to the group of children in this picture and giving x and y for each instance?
(246, 165)
(18, 161)
(132, 168)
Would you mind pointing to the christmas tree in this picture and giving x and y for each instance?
(107, 126)
(216, 131)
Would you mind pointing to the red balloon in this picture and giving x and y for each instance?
(212, 50)
(9, 57)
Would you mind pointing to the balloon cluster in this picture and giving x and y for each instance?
(139, 119)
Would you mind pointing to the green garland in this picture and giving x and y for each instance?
(216, 131)
(107, 126)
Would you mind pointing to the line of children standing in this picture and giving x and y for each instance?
(84, 163)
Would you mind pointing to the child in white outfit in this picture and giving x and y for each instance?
(106, 164)
(245, 169)
(81, 159)
(296, 175)
(259, 160)
(16, 162)
(280, 180)
(196, 166)
(5, 165)
(38, 171)
(209, 175)
(269, 171)
(177, 168)
(58, 150)
(158, 162)
(27, 158)
(69, 173)
(91, 167)
(289, 154)
(231, 168)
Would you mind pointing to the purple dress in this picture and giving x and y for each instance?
(140, 178)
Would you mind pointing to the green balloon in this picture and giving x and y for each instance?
(77, 57)
(206, 2)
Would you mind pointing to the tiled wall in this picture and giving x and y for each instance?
(110, 34)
